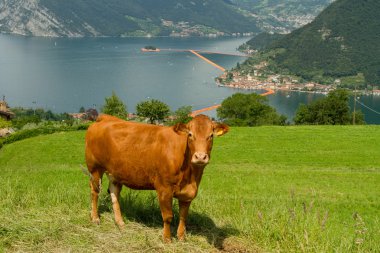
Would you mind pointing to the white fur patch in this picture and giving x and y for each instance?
(112, 188)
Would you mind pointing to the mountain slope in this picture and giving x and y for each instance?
(342, 41)
(154, 17)
(262, 41)
(28, 17)
(283, 16)
(121, 17)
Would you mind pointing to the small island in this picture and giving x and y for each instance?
(150, 49)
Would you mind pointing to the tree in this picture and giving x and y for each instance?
(82, 110)
(114, 106)
(229, 77)
(153, 109)
(182, 114)
(331, 110)
(249, 110)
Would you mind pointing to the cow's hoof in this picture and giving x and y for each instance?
(181, 238)
(167, 239)
(96, 221)
(121, 225)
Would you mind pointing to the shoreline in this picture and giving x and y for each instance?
(358, 92)
(273, 89)
(270, 91)
(119, 36)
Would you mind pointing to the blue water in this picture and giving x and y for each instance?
(64, 74)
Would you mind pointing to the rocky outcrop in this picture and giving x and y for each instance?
(27, 17)
(4, 132)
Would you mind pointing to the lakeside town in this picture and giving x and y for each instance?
(259, 80)
(185, 29)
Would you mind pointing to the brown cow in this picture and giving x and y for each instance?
(170, 160)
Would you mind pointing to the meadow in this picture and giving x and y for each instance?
(266, 189)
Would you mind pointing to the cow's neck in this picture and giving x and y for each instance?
(192, 174)
(197, 172)
(190, 179)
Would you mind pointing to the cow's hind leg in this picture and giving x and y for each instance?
(183, 212)
(95, 185)
(114, 190)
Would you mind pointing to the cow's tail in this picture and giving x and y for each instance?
(85, 171)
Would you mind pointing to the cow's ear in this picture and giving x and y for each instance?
(220, 129)
(180, 127)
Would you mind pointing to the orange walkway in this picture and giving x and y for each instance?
(196, 112)
(269, 92)
(213, 52)
(208, 61)
(203, 52)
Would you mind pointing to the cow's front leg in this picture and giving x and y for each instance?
(114, 189)
(183, 212)
(165, 197)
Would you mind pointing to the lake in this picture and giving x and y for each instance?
(64, 74)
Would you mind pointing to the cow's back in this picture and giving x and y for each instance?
(135, 154)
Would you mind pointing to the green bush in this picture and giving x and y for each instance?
(27, 116)
(48, 128)
(4, 123)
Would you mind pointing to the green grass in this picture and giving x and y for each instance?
(267, 189)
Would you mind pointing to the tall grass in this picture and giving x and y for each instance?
(280, 189)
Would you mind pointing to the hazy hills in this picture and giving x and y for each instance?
(75, 18)
(282, 16)
(122, 17)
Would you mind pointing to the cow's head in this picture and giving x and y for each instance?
(201, 131)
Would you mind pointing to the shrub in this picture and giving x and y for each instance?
(47, 128)
(24, 116)
(4, 123)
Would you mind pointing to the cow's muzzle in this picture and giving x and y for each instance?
(200, 158)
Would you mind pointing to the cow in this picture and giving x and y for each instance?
(140, 156)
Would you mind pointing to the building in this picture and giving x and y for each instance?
(5, 113)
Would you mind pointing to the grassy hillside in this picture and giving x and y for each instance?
(312, 189)
(262, 41)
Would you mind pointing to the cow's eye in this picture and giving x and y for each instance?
(211, 136)
(190, 134)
